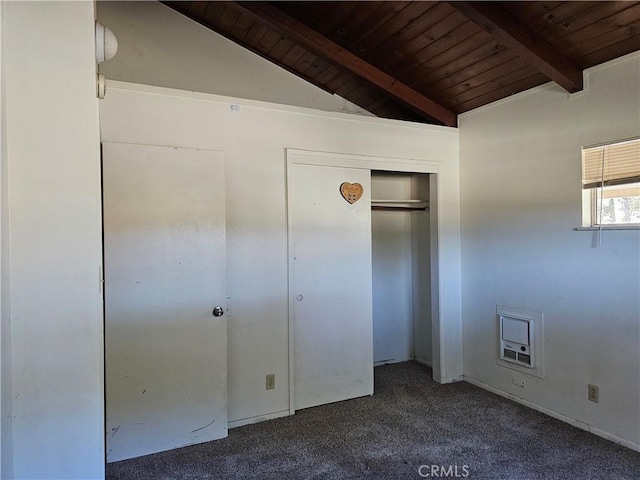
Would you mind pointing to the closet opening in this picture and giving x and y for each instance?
(401, 267)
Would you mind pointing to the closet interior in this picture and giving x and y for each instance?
(401, 267)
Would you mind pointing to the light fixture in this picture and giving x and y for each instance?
(106, 43)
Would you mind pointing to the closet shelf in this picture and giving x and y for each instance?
(400, 205)
(398, 201)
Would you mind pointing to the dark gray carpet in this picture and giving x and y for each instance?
(409, 422)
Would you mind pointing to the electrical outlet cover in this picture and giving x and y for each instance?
(271, 381)
(594, 393)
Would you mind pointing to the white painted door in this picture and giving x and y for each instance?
(165, 270)
(330, 286)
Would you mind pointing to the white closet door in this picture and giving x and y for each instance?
(165, 270)
(330, 285)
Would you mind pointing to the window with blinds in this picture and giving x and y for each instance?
(611, 184)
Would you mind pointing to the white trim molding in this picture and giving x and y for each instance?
(558, 416)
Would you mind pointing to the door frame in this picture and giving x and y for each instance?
(433, 167)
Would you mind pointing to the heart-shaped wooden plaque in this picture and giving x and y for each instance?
(351, 191)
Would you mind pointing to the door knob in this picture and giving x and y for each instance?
(218, 311)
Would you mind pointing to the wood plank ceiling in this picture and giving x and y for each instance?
(427, 61)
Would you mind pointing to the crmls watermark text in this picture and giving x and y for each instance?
(441, 471)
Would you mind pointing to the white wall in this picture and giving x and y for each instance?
(150, 53)
(254, 139)
(6, 454)
(159, 46)
(521, 199)
(53, 202)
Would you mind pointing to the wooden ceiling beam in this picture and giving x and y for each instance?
(334, 53)
(515, 35)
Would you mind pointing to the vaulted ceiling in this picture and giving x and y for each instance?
(427, 61)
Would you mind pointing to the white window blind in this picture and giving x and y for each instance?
(619, 162)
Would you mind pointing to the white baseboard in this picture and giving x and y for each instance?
(408, 359)
(391, 360)
(423, 361)
(558, 416)
(258, 418)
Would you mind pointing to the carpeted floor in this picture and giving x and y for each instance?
(411, 426)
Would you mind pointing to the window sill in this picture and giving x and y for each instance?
(608, 227)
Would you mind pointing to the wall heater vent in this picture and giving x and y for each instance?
(516, 340)
(510, 354)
